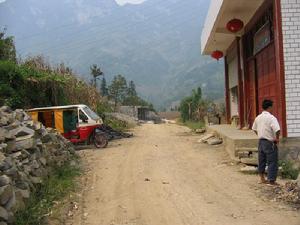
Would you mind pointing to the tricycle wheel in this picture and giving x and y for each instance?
(100, 141)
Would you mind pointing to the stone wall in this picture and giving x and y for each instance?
(28, 151)
(291, 44)
(289, 149)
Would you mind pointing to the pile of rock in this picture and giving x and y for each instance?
(28, 151)
(211, 139)
(290, 193)
(122, 117)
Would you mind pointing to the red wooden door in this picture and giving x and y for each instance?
(251, 95)
(267, 77)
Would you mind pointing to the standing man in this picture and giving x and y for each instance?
(267, 128)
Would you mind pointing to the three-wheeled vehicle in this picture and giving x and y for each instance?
(77, 123)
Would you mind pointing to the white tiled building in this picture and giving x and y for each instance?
(290, 10)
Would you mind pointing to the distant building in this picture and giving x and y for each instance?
(262, 60)
(140, 113)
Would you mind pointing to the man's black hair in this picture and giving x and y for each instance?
(267, 104)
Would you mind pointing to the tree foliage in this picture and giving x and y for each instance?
(118, 89)
(132, 98)
(95, 73)
(124, 94)
(7, 47)
(193, 107)
(103, 87)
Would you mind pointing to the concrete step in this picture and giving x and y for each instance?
(246, 149)
(250, 161)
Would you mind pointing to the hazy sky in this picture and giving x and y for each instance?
(122, 2)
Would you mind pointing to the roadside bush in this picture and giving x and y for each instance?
(33, 83)
(288, 171)
(25, 87)
(116, 124)
(104, 107)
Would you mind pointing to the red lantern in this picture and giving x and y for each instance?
(235, 25)
(217, 54)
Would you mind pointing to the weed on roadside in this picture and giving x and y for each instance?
(287, 170)
(54, 188)
(194, 125)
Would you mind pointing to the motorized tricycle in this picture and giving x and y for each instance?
(77, 123)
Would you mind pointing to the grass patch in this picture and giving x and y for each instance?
(194, 125)
(288, 171)
(54, 188)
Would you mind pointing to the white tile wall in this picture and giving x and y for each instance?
(290, 10)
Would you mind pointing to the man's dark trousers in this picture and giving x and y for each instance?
(268, 155)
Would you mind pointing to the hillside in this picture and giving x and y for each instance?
(156, 44)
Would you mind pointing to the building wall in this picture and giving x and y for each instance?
(233, 83)
(291, 43)
(233, 72)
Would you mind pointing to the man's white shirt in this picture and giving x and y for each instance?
(266, 125)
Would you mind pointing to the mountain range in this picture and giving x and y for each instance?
(156, 43)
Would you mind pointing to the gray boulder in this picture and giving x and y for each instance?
(4, 121)
(6, 193)
(6, 164)
(26, 142)
(214, 141)
(11, 204)
(11, 146)
(4, 180)
(3, 214)
(21, 131)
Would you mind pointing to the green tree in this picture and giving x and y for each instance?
(103, 88)
(132, 97)
(118, 89)
(131, 89)
(7, 47)
(193, 107)
(95, 73)
(186, 108)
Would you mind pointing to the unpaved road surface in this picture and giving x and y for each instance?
(162, 176)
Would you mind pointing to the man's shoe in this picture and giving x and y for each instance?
(272, 183)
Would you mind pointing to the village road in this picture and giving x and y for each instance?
(162, 176)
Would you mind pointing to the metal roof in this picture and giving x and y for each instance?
(57, 107)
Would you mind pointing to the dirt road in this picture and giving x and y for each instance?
(162, 176)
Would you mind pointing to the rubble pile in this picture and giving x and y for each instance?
(114, 134)
(28, 151)
(290, 193)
